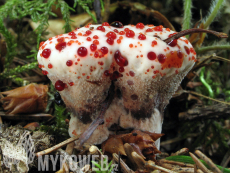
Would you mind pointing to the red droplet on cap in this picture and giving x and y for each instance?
(104, 50)
(82, 51)
(69, 63)
(151, 56)
(101, 28)
(140, 25)
(130, 34)
(93, 47)
(161, 58)
(120, 60)
(60, 46)
(142, 37)
(110, 41)
(59, 85)
(105, 24)
(46, 53)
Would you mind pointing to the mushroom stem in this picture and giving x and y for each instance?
(99, 120)
(195, 30)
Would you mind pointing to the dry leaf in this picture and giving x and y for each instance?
(114, 145)
(31, 98)
(31, 126)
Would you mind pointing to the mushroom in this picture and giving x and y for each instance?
(145, 70)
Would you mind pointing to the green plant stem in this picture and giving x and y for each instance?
(18, 69)
(205, 83)
(214, 9)
(187, 15)
(210, 48)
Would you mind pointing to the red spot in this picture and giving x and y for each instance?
(161, 58)
(88, 39)
(126, 29)
(96, 54)
(151, 56)
(96, 42)
(120, 60)
(41, 44)
(115, 30)
(95, 37)
(121, 32)
(130, 45)
(69, 63)
(110, 41)
(39, 66)
(100, 63)
(179, 54)
(106, 73)
(132, 73)
(152, 67)
(142, 37)
(61, 39)
(130, 34)
(93, 47)
(82, 51)
(187, 50)
(104, 50)
(117, 24)
(167, 29)
(71, 83)
(50, 65)
(111, 34)
(73, 37)
(88, 32)
(158, 28)
(118, 41)
(140, 25)
(105, 24)
(101, 28)
(121, 69)
(149, 30)
(46, 53)
(60, 46)
(154, 43)
(59, 85)
(72, 33)
(44, 72)
(176, 72)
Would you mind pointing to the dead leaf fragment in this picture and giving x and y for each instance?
(31, 98)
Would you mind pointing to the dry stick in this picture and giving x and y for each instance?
(208, 161)
(194, 30)
(199, 171)
(150, 165)
(184, 170)
(199, 163)
(49, 150)
(180, 152)
(195, 168)
(177, 163)
(124, 167)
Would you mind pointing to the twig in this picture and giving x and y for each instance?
(226, 159)
(124, 167)
(150, 165)
(208, 161)
(49, 150)
(199, 163)
(177, 163)
(180, 152)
